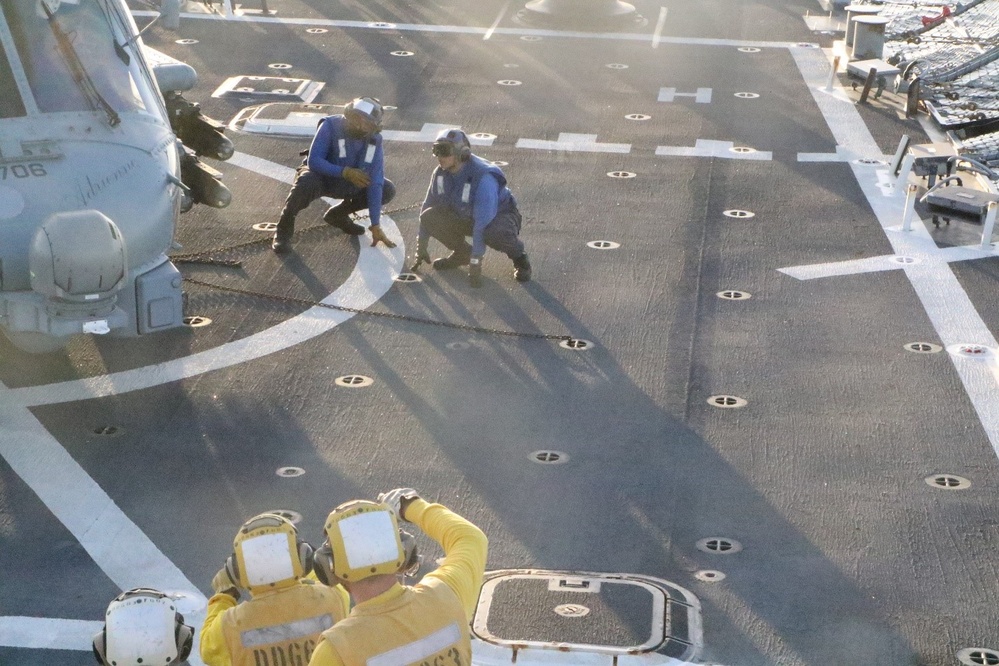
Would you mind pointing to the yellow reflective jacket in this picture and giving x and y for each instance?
(277, 627)
(425, 623)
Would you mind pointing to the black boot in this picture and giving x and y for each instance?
(456, 259)
(282, 237)
(339, 217)
(522, 268)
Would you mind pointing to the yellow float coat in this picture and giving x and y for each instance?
(422, 625)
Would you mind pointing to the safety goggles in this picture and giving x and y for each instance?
(443, 149)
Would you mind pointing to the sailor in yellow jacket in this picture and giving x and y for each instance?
(391, 623)
(287, 613)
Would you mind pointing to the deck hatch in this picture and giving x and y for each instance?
(270, 88)
(611, 614)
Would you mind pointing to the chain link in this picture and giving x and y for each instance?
(387, 315)
(206, 256)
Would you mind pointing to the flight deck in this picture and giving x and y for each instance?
(736, 368)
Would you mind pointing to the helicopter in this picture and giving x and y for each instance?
(99, 154)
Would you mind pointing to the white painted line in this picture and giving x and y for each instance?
(712, 148)
(112, 540)
(371, 278)
(263, 167)
(571, 142)
(886, 182)
(947, 305)
(842, 154)
(429, 132)
(702, 96)
(467, 30)
(657, 35)
(121, 550)
(41, 633)
(884, 262)
(836, 268)
(492, 28)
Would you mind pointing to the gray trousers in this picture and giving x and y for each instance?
(309, 186)
(502, 234)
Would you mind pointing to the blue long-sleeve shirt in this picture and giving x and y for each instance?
(476, 191)
(333, 150)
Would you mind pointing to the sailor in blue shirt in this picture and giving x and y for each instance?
(346, 162)
(468, 196)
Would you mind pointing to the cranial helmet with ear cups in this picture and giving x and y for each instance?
(452, 142)
(268, 554)
(369, 107)
(142, 626)
(364, 540)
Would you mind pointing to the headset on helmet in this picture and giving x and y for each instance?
(452, 142)
(369, 107)
(142, 626)
(363, 539)
(267, 553)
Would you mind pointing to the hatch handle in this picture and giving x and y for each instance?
(574, 583)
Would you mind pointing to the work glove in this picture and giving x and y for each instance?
(475, 272)
(398, 500)
(223, 584)
(378, 236)
(356, 177)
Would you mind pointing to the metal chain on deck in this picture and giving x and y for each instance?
(205, 257)
(388, 315)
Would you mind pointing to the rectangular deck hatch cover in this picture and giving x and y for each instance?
(591, 612)
(283, 118)
(270, 88)
(618, 615)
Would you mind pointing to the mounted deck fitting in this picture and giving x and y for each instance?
(853, 12)
(868, 37)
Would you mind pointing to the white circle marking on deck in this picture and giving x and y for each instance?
(372, 277)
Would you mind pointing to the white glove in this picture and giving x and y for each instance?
(396, 499)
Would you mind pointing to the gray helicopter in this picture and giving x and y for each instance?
(99, 153)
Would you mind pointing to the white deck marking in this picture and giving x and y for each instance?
(93, 516)
(842, 154)
(657, 35)
(263, 167)
(48, 633)
(112, 540)
(951, 312)
(371, 278)
(571, 142)
(468, 30)
(428, 133)
(712, 148)
(702, 96)
(492, 28)
(885, 262)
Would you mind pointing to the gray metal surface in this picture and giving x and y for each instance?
(848, 556)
